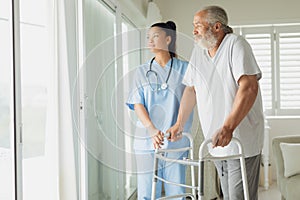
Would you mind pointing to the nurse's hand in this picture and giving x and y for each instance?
(175, 132)
(222, 137)
(157, 137)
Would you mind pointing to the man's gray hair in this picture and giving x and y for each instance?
(216, 14)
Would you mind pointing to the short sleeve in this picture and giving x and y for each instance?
(188, 78)
(243, 60)
(136, 93)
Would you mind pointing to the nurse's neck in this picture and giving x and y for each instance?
(162, 58)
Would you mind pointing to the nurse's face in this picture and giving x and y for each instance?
(158, 40)
(204, 34)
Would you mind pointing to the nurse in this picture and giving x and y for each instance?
(155, 97)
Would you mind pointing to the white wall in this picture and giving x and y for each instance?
(239, 12)
(135, 10)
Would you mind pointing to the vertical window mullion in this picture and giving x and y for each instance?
(276, 80)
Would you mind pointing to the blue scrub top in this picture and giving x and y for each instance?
(162, 105)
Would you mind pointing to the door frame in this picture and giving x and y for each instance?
(16, 98)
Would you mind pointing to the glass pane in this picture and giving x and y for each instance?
(100, 126)
(6, 107)
(39, 175)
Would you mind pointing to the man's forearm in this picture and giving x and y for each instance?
(187, 104)
(244, 100)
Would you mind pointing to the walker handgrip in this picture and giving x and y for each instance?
(206, 142)
(167, 135)
(242, 162)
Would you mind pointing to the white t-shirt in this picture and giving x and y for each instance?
(216, 82)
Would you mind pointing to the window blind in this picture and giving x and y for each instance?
(289, 70)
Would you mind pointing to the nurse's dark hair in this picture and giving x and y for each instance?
(170, 28)
(216, 14)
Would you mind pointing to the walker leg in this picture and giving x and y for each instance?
(244, 178)
(201, 180)
(154, 179)
(194, 191)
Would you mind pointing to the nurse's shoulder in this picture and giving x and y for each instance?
(181, 65)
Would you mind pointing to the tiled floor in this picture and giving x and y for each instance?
(271, 194)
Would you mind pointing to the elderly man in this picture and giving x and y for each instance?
(222, 78)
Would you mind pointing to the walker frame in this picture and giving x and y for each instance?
(197, 190)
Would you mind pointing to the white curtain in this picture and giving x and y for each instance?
(67, 70)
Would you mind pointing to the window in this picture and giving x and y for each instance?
(38, 79)
(98, 81)
(6, 104)
(111, 49)
(35, 84)
(277, 51)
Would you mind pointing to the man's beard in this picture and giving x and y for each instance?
(208, 41)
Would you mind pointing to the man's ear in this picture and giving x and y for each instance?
(218, 26)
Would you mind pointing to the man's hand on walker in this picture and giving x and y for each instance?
(175, 132)
(222, 137)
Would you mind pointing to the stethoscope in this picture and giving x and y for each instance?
(163, 85)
